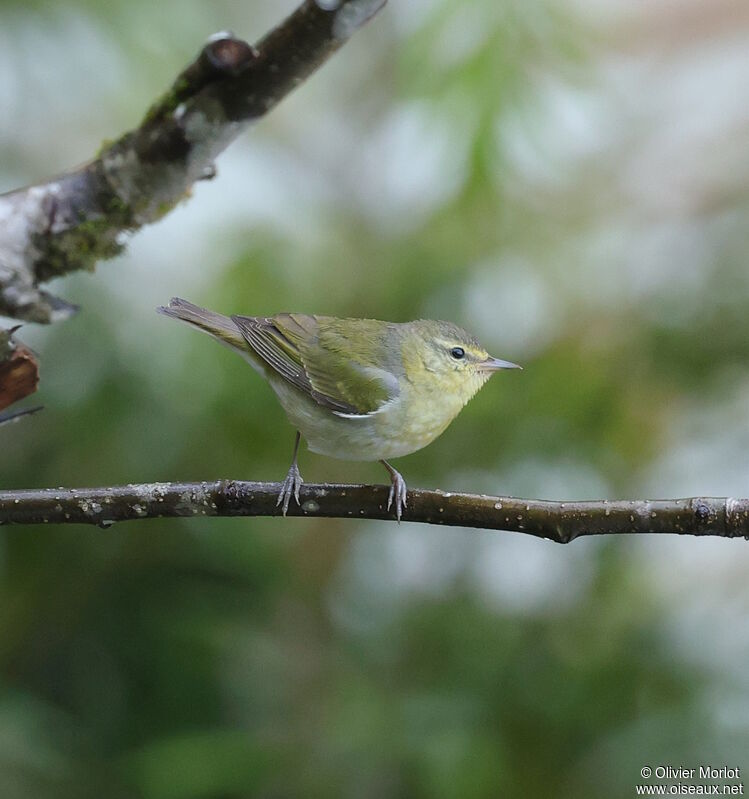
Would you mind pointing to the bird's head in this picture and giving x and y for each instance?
(442, 357)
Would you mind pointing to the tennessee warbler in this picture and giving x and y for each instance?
(356, 389)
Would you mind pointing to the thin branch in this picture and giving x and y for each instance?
(16, 416)
(72, 221)
(558, 521)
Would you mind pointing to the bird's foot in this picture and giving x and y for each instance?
(290, 488)
(398, 493)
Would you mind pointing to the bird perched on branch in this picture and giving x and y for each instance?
(356, 389)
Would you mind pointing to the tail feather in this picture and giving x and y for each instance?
(217, 325)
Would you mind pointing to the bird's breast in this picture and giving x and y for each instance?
(415, 420)
(405, 425)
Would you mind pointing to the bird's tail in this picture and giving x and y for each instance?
(219, 326)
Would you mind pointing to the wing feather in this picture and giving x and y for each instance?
(315, 355)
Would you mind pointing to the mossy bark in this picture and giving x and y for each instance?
(72, 222)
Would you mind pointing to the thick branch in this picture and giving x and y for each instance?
(558, 521)
(73, 221)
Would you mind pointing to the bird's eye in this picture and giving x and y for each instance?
(458, 353)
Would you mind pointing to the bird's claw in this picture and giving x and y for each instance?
(290, 488)
(398, 494)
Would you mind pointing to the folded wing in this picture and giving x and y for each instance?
(335, 362)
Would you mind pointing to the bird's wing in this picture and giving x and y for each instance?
(318, 361)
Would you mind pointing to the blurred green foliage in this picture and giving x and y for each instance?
(507, 166)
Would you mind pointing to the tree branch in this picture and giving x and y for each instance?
(558, 521)
(72, 221)
(16, 416)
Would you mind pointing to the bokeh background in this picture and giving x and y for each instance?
(566, 178)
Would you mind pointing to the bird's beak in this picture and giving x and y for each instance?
(495, 364)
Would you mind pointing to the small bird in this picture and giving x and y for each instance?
(356, 389)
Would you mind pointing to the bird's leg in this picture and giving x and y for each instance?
(293, 482)
(398, 490)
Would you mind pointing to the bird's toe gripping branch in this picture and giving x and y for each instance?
(290, 488)
(398, 492)
(293, 482)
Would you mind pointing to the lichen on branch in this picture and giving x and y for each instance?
(73, 221)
